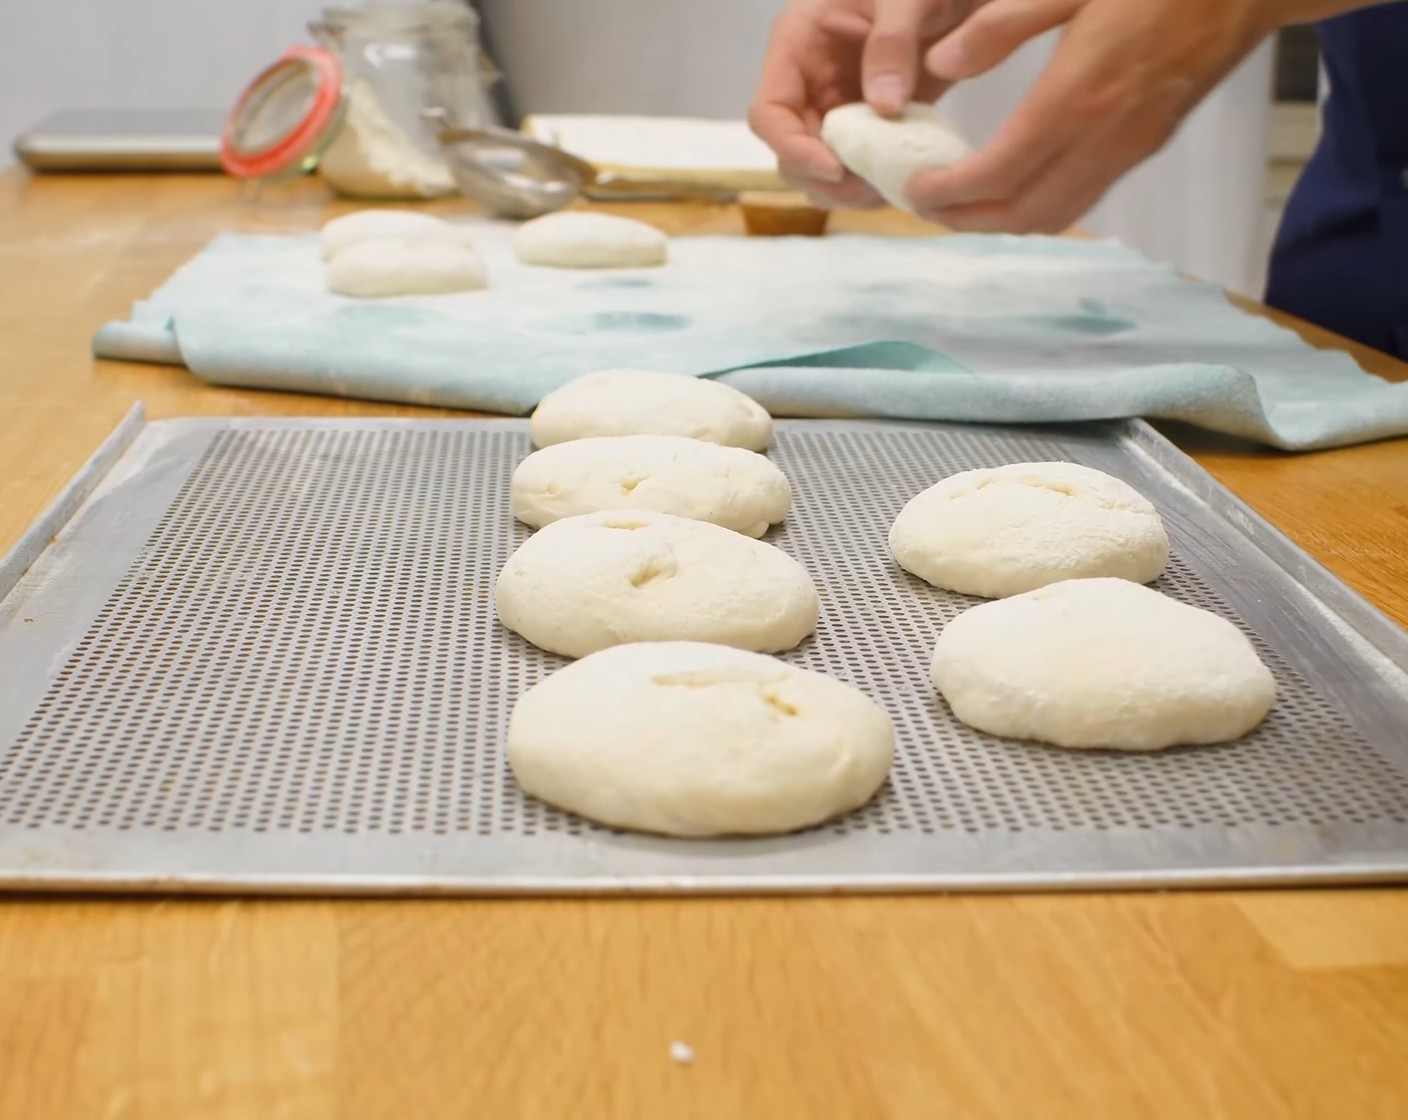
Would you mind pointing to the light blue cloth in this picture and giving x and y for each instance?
(995, 329)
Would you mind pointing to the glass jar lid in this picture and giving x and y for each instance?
(286, 116)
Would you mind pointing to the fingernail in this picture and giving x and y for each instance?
(946, 60)
(827, 173)
(886, 91)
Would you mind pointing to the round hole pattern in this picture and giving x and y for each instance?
(308, 645)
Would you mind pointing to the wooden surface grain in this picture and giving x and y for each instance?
(1211, 1004)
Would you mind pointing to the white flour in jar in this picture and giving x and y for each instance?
(372, 158)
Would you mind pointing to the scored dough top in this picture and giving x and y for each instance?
(1095, 663)
(603, 579)
(383, 225)
(1002, 531)
(690, 739)
(572, 239)
(728, 486)
(620, 402)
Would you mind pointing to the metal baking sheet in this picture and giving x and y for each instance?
(262, 657)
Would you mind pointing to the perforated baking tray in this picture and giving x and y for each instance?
(262, 656)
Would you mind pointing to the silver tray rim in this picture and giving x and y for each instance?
(1357, 617)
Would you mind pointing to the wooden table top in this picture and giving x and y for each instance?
(1207, 1004)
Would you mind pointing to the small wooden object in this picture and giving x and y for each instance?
(781, 214)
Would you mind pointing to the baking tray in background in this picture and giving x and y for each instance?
(261, 656)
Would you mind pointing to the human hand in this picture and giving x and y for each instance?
(1123, 77)
(825, 53)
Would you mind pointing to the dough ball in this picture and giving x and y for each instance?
(888, 153)
(1095, 663)
(623, 402)
(579, 240)
(689, 739)
(1012, 529)
(601, 579)
(405, 268)
(726, 486)
(388, 225)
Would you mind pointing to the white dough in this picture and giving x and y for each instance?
(888, 153)
(405, 268)
(622, 402)
(688, 739)
(1012, 529)
(389, 225)
(1096, 663)
(728, 486)
(577, 240)
(602, 579)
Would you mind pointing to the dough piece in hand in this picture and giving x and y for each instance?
(623, 402)
(888, 153)
(389, 225)
(1101, 663)
(1016, 528)
(578, 240)
(689, 739)
(728, 486)
(405, 268)
(602, 579)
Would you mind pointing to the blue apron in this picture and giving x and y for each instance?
(1341, 256)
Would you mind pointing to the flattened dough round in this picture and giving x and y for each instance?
(603, 579)
(1002, 531)
(623, 402)
(389, 225)
(740, 490)
(1095, 663)
(573, 239)
(405, 268)
(888, 153)
(689, 739)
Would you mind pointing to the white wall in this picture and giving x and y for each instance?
(198, 54)
(667, 57)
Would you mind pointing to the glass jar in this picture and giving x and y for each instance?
(363, 107)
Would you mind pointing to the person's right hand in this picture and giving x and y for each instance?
(825, 53)
(1122, 78)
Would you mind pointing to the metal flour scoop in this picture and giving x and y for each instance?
(515, 176)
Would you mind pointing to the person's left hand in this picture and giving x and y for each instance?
(825, 53)
(1122, 78)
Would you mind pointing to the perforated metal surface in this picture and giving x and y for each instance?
(305, 648)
